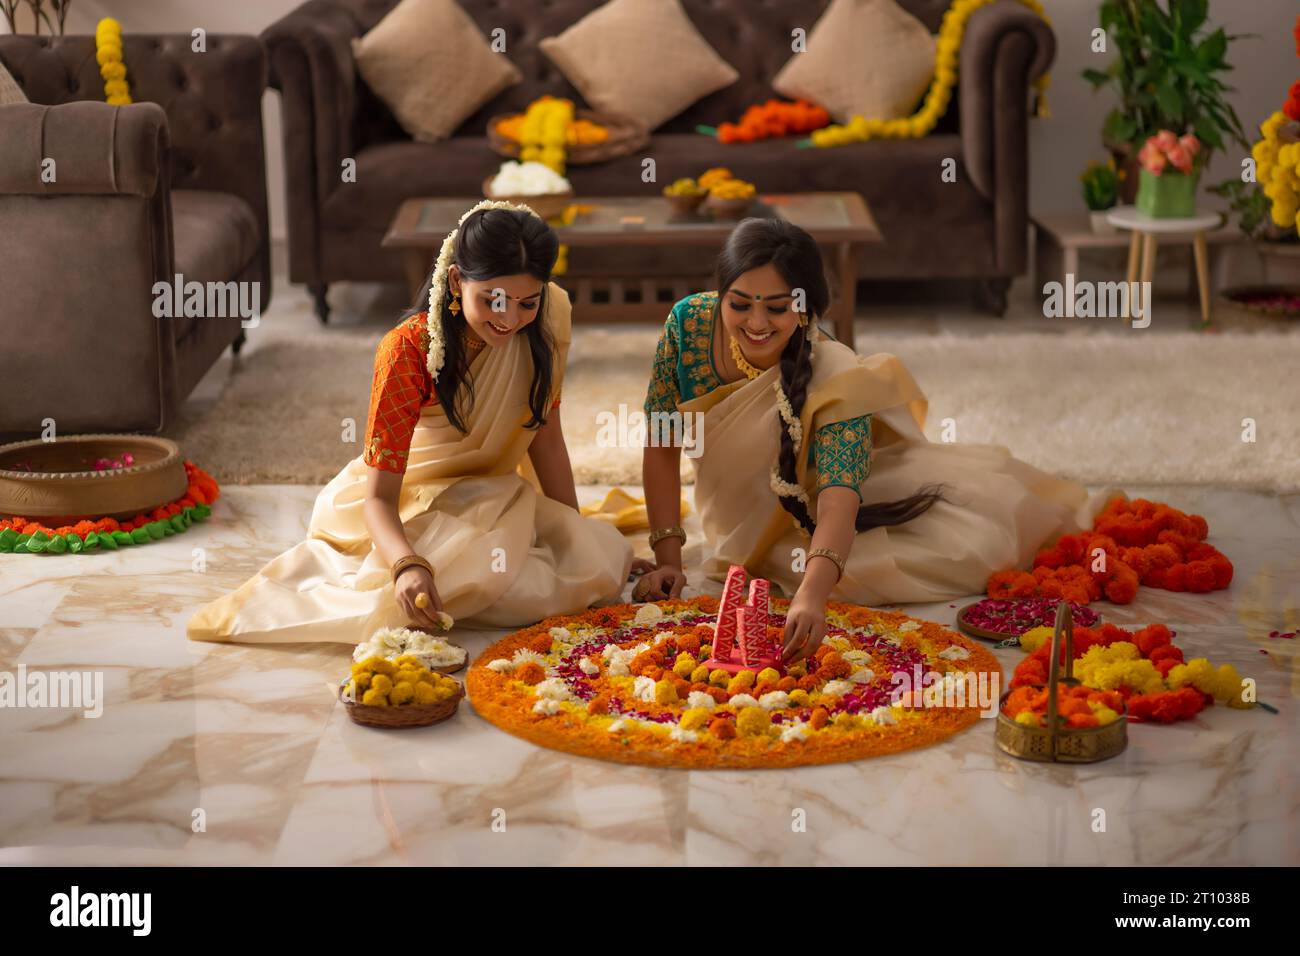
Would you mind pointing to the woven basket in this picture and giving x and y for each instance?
(407, 715)
(625, 136)
(1053, 743)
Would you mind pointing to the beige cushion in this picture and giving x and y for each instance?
(10, 91)
(868, 58)
(642, 59)
(433, 68)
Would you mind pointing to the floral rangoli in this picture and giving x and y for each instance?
(632, 683)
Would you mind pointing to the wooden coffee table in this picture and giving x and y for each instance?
(837, 220)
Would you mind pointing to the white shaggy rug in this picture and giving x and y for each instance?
(1102, 408)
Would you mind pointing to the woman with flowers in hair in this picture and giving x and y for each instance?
(462, 500)
(814, 472)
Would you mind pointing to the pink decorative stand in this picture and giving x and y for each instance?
(741, 642)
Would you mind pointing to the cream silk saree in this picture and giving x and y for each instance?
(504, 554)
(999, 511)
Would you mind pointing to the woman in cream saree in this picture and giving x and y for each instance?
(818, 452)
(470, 505)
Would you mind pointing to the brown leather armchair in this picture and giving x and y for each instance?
(173, 184)
(974, 229)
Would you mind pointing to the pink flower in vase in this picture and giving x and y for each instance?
(1190, 143)
(1165, 140)
(1152, 159)
(1181, 158)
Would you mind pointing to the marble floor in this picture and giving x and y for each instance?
(215, 754)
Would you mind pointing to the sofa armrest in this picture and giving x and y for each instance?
(91, 149)
(80, 258)
(312, 66)
(1005, 48)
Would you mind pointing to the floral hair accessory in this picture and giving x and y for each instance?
(438, 287)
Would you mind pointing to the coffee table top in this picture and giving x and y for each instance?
(632, 220)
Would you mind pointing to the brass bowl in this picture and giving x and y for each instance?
(56, 482)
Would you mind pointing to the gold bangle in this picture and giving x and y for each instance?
(676, 531)
(827, 553)
(402, 563)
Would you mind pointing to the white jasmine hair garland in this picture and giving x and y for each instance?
(438, 287)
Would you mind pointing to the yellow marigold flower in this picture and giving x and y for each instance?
(362, 679)
(403, 692)
(665, 693)
(381, 666)
(1104, 714)
(381, 683)
(685, 666)
(406, 675)
(116, 88)
(694, 718)
(719, 678)
(797, 669)
(443, 692)
(374, 698)
(425, 693)
(1028, 718)
(799, 697)
(1034, 638)
(768, 673)
(753, 722)
(700, 675)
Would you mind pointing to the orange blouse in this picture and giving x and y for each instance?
(402, 386)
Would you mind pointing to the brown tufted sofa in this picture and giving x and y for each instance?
(974, 228)
(174, 183)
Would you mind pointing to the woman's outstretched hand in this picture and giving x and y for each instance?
(805, 626)
(663, 583)
(410, 584)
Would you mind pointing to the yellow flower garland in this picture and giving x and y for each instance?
(1277, 169)
(543, 138)
(108, 54)
(953, 27)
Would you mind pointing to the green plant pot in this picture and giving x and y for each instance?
(1170, 195)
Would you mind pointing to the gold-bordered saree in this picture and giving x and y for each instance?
(998, 510)
(463, 497)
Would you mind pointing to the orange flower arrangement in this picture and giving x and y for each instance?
(634, 689)
(20, 535)
(771, 120)
(1144, 542)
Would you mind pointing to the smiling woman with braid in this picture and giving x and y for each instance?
(814, 471)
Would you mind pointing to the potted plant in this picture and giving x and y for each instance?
(1171, 168)
(1101, 182)
(1167, 75)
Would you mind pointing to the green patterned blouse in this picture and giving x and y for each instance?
(684, 369)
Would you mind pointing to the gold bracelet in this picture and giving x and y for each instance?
(827, 553)
(402, 563)
(676, 531)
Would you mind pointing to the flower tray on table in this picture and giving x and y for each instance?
(625, 136)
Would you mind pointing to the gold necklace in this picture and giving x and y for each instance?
(749, 371)
(472, 342)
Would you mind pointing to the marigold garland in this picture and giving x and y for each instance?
(951, 30)
(1144, 668)
(23, 536)
(1144, 543)
(108, 54)
(770, 120)
(628, 684)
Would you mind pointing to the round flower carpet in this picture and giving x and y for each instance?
(631, 683)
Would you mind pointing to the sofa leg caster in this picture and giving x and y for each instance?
(991, 295)
(237, 346)
(322, 303)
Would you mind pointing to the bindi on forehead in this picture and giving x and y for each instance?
(759, 297)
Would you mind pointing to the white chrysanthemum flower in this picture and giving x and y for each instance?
(858, 658)
(553, 688)
(562, 634)
(909, 626)
(884, 716)
(529, 178)
(616, 726)
(838, 688)
(698, 698)
(863, 675)
(524, 656)
(775, 700)
(643, 688)
(501, 665)
(648, 614)
(954, 652)
(546, 707)
(588, 667)
(743, 700)
(796, 730)
(683, 736)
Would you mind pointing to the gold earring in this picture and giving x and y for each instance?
(454, 305)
